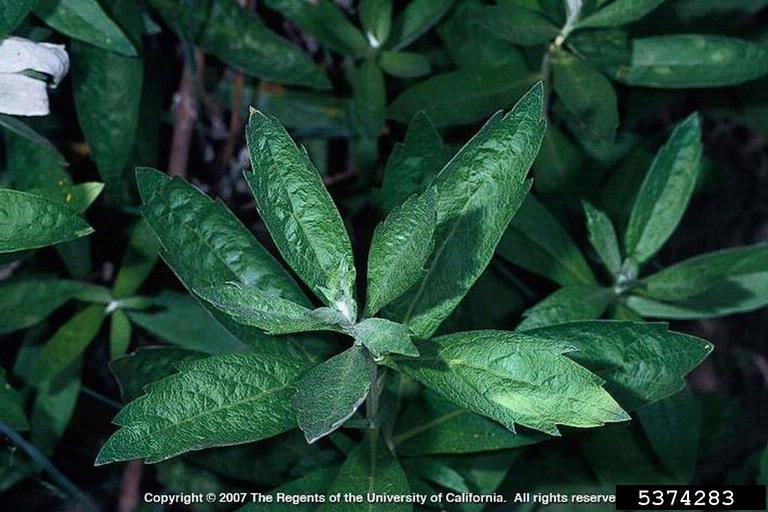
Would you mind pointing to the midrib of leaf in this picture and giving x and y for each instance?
(404, 436)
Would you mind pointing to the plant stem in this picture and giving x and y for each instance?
(372, 404)
(186, 113)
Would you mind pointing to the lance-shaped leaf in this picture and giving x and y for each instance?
(369, 98)
(15, 126)
(404, 64)
(221, 400)
(412, 163)
(536, 241)
(577, 302)
(602, 236)
(68, 342)
(85, 21)
(515, 379)
(120, 331)
(330, 393)
(204, 243)
(586, 93)
(665, 192)
(138, 369)
(478, 192)
(433, 425)
(250, 306)
(26, 302)
(370, 468)
(516, 24)
(381, 336)
(29, 221)
(376, 18)
(401, 246)
(138, 261)
(640, 362)
(619, 12)
(693, 60)
(416, 19)
(299, 214)
(11, 406)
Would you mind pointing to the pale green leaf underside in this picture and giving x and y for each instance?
(603, 237)
(381, 336)
(619, 12)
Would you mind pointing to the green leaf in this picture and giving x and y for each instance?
(29, 221)
(369, 98)
(376, 17)
(107, 89)
(370, 468)
(316, 481)
(54, 407)
(28, 301)
(250, 306)
(665, 192)
(299, 214)
(85, 20)
(12, 14)
(404, 64)
(11, 406)
(119, 334)
(433, 425)
(382, 336)
(478, 192)
(138, 261)
(557, 169)
(181, 321)
(576, 302)
(462, 96)
(68, 342)
(330, 393)
(13, 125)
(516, 24)
(536, 241)
(673, 427)
(415, 20)
(502, 375)
(325, 21)
(305, 113)
(696, 275)
(602, 236)
(619, 12)
(640, 362)
(587, 94)
(204, 243)
(400, 248)
(221, 400)
(239, 38)
(412, 163)
(138, 369)
(694, 60)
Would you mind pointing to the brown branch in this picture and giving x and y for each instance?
(130, 487)
(185, 116)
(235, 120)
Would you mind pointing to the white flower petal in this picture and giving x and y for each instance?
(23, 96)
(17, 54)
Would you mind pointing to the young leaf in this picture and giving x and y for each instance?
(325, 21)
(204, 243)
(119, 334)
(382, 336)
(369, 99)
(640, 362)
(602, 236)
(227, 399)
(416, 19)
(54, 407)
(138, 261)
(29, 221)
(27, 302)
(577, 302)
(181, 321)
(299, 214)
(694, 60)
(433, 425)
(478, 192)
(370, 468)
(69, 341)
(515, 24)
(11, 406)
(108, 114)
(85, 21)
(404, 64)
(399, 250)
(587, 93)
(619, 12)
(412, 163)
(330, 393)
(462, 96)
(666, 190)
(536, 241)
(376, 17)
(251, 306)
(514, 378)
